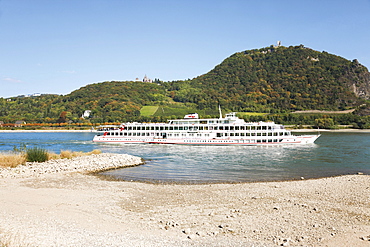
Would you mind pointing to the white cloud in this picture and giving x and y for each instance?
(69, 71)
(8, 79)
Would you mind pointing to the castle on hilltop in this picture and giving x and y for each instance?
(145, 79)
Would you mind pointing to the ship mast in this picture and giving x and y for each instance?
(219, 109)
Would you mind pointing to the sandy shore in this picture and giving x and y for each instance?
(72, 208)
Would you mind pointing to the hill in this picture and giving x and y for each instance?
(279, 79)
(271, 80)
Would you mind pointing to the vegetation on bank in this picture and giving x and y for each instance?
(21, 155)
(274, 81)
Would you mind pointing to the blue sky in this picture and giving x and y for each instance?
(57, 46)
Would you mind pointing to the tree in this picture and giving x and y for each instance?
(324, 123)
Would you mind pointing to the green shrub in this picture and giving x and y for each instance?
(36, 155)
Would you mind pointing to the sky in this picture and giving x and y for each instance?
(58, 46)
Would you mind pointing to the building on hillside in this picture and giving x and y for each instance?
(1, 123)
(86, 114)
(19, 123)
(146, 79)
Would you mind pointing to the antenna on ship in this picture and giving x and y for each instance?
(219, 109)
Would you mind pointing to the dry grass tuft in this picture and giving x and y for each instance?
(12, 159)
(67, 154)
(16, 159)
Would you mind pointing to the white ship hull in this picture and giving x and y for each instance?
(247, 142)
(193, 131)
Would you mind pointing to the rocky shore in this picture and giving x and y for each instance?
(60, 204)
(88, 164)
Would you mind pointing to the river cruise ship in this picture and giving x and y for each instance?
(228, 130)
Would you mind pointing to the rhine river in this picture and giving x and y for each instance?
(334, 153)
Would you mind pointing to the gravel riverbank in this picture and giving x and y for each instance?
(64, 206)
(87, 164)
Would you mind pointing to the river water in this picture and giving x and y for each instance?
(334, 153)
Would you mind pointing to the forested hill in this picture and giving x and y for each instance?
(281, 79)
(271, 80)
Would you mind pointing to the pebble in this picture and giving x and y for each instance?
(365, 238)
(89, 163)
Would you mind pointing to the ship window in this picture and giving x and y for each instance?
(231, 127)
(231, 134)
(181, 128)
(263, 134)
(186, 127)
(236, 127)
(129, 128)
(156, 127)
(226, 134)
(236, 134)
(206, 128)
(147, 128)
(258, 134)
(176, 128)
(171, 127)
(161, 128)
(269, 134)
(264, 127)
(200, 127)
(221, 127)
(242, 128)
(166, 128)
(226, 127)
